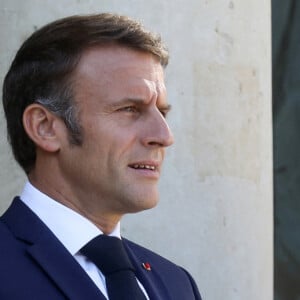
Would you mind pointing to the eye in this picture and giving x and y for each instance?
(131, 109)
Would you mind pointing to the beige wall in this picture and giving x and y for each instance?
(216, 191)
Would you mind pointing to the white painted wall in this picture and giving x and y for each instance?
(216, 191)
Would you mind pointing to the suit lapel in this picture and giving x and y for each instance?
(50, 254)
(64, 270)
(150, 279)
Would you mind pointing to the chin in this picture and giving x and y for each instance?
(145, 204)
(151, 205)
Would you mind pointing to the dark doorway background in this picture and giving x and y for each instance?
(286, 122)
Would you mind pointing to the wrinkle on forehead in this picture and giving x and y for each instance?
(115, 58)
(116, 72)
(150, 89)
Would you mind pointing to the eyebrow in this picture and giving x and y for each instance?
(165, 108)
(139, 101)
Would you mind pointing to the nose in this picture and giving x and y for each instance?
(157, 131)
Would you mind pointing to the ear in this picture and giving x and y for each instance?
(43, 127)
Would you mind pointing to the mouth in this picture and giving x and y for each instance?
(146, 169)
(143, 167)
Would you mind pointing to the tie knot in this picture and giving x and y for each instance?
(108, 254)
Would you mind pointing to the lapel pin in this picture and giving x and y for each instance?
(146, 266)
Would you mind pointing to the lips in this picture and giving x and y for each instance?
(148, 167)
(151, 166)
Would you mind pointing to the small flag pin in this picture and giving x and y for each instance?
(146, 266)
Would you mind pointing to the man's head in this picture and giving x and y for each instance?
(85, 103)
(42, 71)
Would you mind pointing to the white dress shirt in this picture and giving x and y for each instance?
(72, 230)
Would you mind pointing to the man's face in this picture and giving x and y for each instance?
(121, 98)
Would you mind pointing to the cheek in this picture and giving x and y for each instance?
(125, 143)
(109, 141)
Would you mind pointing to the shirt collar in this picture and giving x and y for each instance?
(72, 229)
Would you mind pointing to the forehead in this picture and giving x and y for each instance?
(120, 65)
(108, 76)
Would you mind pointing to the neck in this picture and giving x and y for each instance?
(60, 193)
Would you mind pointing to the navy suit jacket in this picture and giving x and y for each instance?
(34, 265)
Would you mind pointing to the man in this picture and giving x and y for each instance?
(85, 103)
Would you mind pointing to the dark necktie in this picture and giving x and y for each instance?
(109, 255)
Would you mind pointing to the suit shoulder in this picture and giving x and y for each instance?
(5, 232)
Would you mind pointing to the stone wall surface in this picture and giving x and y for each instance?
(216, 190)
